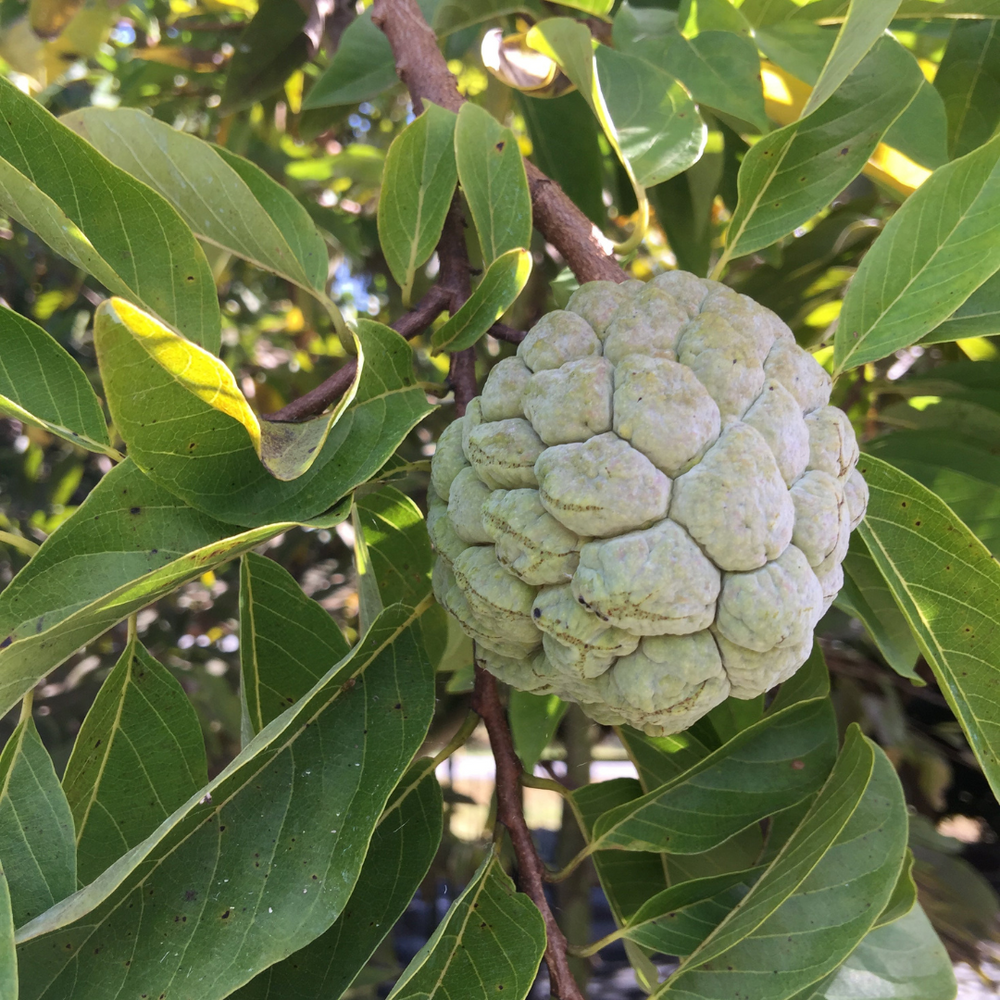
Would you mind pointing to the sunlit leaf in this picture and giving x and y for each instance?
(139, 755)
(42, 385)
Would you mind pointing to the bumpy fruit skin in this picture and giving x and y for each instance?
(647, 509)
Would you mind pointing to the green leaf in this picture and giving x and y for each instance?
(864, 25)
(128, 544)
(36, 826)
(138, 756)
(103, 220)
(193, 432)
(904, 960)
(933, 253)
(677, 920)
(177, 369)
(210, 196)
(978, 316)
(491, 940)
(766, 768)
(42, 385)
(287, 641)
(660, 759)
(565, 146)
(866, 597)
(796, 171)
(721, 69)
(270, 48)
(260, 861)
(417, 184)
(8, 954)
(492, 297)
(534, 719)
(454, 15)
(904, 895)
(494, 182)
(818, 898)
(963, 474)
(968, 80)
(401, 851)
(811, 680)
(945, 582)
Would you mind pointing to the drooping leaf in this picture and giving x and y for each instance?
(818, 898)
(945, 582)
(401, 851)
(963, 474)
(904, 960)
(42, 385)
(720, 69)
(490, 941)
(978, 316)
(138, 756)
(491, 298)
(8, 954)
(968, 80)
(263, 859)
(129, 543)
(866, 597)
(794, 172)
(287, 642)
(417, 185)
(36, 826)
(933, 253)
(494, 182)
(210, 196)
(94, 214)
(193, 432)
(865, 23)
(534, 719)
(565, 146)
(766, 768)
(270, 48)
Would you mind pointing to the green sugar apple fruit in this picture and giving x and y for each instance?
(647, 508)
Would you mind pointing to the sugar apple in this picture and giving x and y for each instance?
(647, 508)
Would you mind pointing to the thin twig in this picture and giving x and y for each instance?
(486, 701)
(506, 333)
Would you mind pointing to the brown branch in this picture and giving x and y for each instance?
(422, 67)
(506, 333)
(486, 702)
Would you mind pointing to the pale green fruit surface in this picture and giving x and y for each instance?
(647, 509)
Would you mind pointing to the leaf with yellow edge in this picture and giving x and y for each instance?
(493, 296)
(287, 450)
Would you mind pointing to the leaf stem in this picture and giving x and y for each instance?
(22, 544)
(462, 734)
(564, 873)
(586, 950)
(26, 704)
(549, 785)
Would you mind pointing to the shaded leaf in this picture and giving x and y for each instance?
(36, 826)
(945, 582)
(968, 80)
(494, 182)
(90, 212)
(8, 955)
(866, 597)
(418, 181)
(138, 756)
(211, 197)
(401, 851)
(794, 172)
(819, 897)
(978, 316)
(720, 69)
(490, 299)
(287, 642)
(534, 719)
(933, 253)
(454, 15)
(491, 940)
(766, 768)
(811, 680)
(270, 48)
(193, 432)
(260, 861)
(904, 895)
(128, 544)
(864, 24)
(42, 385)
(904, 960)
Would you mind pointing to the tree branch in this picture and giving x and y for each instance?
(423, 69)
(486, 702)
